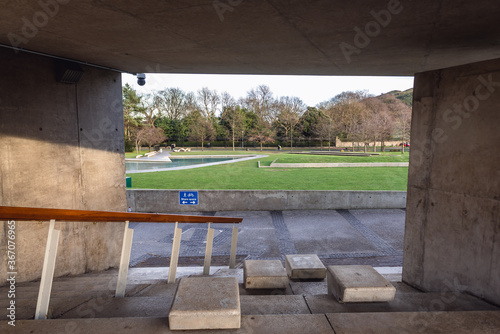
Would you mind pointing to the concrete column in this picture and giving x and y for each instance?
(61, 146)
(452, 239)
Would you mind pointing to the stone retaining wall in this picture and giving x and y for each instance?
(164, 201)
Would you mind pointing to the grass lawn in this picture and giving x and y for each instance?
(306, 158)
(246, 175)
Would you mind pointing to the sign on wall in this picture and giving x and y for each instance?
(188, 197)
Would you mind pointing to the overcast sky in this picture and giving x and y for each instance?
(311, 89)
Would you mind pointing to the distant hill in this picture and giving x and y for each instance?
(405, 96)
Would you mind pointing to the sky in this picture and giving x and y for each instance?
(311, 89)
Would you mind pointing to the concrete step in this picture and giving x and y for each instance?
(286, 304)
(403, 302)
(31, 293)
(143, 305)
(474, 322)
(355, 283)
(63, 301)
(206, 303)
(129, 307)
(255, 324)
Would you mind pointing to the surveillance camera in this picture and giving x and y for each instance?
(141, 79)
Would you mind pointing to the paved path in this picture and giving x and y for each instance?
(372, 237)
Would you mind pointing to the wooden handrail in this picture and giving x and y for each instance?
(41, 214)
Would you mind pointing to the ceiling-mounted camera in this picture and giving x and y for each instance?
(141, 79)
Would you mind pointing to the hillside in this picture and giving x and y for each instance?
(405, 96)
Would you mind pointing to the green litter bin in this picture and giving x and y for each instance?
(128, 182)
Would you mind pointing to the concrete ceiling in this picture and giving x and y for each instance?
(257, 37)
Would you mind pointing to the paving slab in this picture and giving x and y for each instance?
(255, 324)
(264, 274)
(349, 284)
(477, 322)
(120, 307)
(304, 266)
(309, 287)
(206, 303)
(273, 304)
(403, 302)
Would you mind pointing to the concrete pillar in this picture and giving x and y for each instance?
(61, 146)
(452, 239)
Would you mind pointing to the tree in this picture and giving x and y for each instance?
(287, 115)
(259, 102)
(150, 136)
(152, 108)
(174, 103)
(401, 116)
(348, 113)
(209, 102)
(132, 106)
(234, 120)
(200, 127)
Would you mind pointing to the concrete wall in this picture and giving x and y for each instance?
(242, 200)
(339, 143)
(61, 146)
(452, 239)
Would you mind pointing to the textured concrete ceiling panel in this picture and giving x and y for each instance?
(357, 37)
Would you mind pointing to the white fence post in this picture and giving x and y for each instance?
(234, 242)
(49, 264)
(208, 250)
(121, 284)
(174, 255)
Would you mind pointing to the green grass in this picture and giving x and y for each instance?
(246, 175)
(306, 158)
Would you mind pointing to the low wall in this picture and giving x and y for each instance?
(255, 200)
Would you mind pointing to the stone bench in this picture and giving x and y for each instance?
(355, 284)
(206, 303)
(304, 266)
(264, 274)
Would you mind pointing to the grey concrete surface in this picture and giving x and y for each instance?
(264, 274)
(257, 324)
(377, 37)
(304, 266)
(206, 303)
(358, 284)
(333, 235)
(453, 213)
(437, 323)
(61, 146)
(403, 302)
(156, 200)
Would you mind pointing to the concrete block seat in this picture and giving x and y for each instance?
(304, 266)
(264, 274)
(355, 284)
(206, 303)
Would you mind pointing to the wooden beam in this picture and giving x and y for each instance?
(41, 214)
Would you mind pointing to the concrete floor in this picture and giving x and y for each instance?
(85, 304)
(372, 237)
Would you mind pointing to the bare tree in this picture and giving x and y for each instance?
(232, 116)
(260, 101)
(173, 103)
(401, 115)
(209, 102)
(150, 136)
(200, 128)
(287, 113)
(348, 113)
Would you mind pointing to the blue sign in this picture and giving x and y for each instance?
(188, 197)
